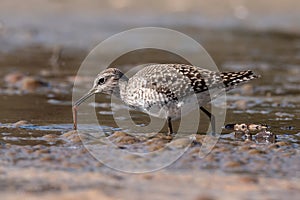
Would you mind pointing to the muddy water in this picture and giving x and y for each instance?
(44, 139)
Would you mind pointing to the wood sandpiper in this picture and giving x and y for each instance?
(166, 87)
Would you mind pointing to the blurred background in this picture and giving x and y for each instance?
(83, 24)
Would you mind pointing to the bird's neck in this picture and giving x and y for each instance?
(120, 91)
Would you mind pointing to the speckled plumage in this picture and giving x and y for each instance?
(162, 90)
(169, 86)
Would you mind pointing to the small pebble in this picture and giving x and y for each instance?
(119, 134)
(255, 151)
(241, 104)
(232, 164)
(200, 138)
(154, 141)
(156, 147)
(126, 140)
(31, 84)
(75, 139)
(13, 78)
(20, 123)
(180, 143)
(69, 133)
(72, 136)
(164, 136)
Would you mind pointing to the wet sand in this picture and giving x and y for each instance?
(161, 185)
(68, 171)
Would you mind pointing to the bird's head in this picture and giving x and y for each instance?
(106, 82)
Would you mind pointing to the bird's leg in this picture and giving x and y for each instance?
(170, 128)
(75, 117)
(212, 119)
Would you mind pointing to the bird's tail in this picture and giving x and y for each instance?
(232, 79)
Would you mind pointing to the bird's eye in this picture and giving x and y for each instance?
(101, 81)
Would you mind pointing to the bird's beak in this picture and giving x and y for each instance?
(85, 97)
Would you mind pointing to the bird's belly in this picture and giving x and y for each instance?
(171, 109)
(157, 105)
